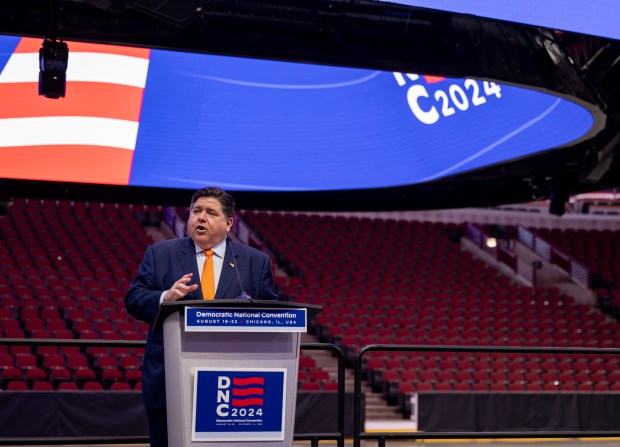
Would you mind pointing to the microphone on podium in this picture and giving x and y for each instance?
(244, 295)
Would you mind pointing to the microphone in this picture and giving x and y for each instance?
(244, 295)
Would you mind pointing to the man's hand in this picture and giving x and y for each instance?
(180, 288)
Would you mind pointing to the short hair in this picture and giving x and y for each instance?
(225, 199)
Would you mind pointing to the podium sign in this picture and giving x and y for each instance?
(201, 319)
(240, 404)
(231, 371)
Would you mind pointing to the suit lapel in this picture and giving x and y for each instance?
(228, 275)
(187, 257)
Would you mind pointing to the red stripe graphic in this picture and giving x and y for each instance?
(82, 164)
(247, 391)
(248, 381)
(433, 79)
(92, 131)
(247, 402)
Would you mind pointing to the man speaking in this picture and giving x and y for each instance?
(207, 265)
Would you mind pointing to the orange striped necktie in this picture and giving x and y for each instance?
(207, 282)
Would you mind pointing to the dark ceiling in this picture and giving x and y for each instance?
(370, 35)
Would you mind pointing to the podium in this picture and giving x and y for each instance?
(231, 371)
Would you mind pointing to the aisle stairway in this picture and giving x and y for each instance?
(377, 409)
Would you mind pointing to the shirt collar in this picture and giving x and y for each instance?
(219, 249)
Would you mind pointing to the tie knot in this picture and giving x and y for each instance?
(208, 252)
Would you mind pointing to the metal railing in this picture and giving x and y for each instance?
(314, 438)
(381, 437)
(576, 270)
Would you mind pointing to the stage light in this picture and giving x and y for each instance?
(557, 198)
(53, 61)
(557, 206)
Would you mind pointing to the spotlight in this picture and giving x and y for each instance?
(491, 242)
(53, 61)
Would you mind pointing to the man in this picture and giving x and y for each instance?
(172, 270)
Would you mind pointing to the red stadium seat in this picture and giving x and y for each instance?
(120, 386)
(424, 386)
(58, 375)
(84, 375)
(462, 386)
(76, 361)
(318, 375)
(26, 361)
(330, 386)
(6, 361)
(33, 375)
(110, 375)
(310, 386)
(67, 386)
(17, 385)
(10, 374)
(133, 375)
(43, 386)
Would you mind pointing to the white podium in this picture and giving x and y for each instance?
(231, 371)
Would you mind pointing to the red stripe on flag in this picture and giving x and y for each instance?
(249, 381)
(82, 164)
(247, 402)
(29, 45)
(247, 391)
(21, 100)
(433, 79)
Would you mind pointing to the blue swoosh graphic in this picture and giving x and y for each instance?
(286, 86)
(493, 145)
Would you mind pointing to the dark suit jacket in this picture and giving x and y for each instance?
(166, 262)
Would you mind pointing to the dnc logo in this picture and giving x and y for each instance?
(236, 394)
(241, 401)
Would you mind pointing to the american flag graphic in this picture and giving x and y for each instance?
(248, 391)
(88, 136)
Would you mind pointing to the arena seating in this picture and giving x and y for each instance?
(596, 249)
(65, 267)
(408, 282)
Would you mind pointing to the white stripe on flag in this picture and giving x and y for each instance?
(64, 130)
(85, 67)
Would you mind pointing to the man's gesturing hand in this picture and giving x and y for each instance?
(180, 288)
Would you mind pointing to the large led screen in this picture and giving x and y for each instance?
(594, 17)
(168, 119)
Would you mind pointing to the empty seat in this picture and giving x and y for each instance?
(58, 375)
(120, 386)
(17, 385)
(26, 361)
(110, 375)
(33, 375)
(318, 375)
(330, 386)
(52, 361)
(84, 375)
(133, 375)
(310, 386)
(43, 386)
